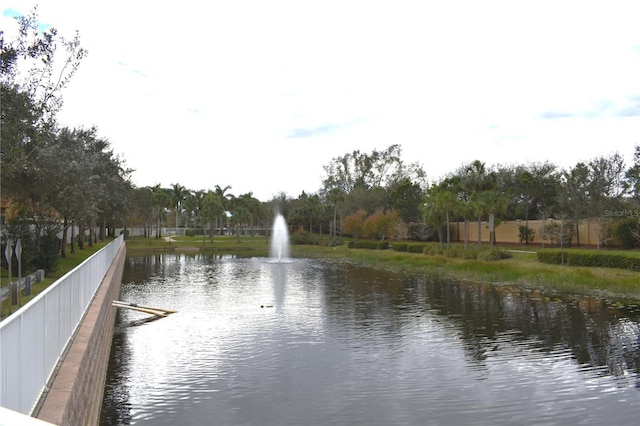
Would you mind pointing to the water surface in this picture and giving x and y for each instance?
(310, 342)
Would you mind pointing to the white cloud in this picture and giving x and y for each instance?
(261, 95)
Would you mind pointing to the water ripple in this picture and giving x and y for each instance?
(347, 345)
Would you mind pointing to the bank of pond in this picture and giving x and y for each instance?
(613, 273)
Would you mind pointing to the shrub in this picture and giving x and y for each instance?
(415, 248)
(494, 254)
(625, 231)
(304, 237)
(604, 259)
(408, 247)
(370, 245)
(526, 234)
(422, 232)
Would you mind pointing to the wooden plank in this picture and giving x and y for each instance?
(140, 309)
(168, 311)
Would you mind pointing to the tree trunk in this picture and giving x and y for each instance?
(81, 235)
(466, 233)
(492, 230)
(479, 231)
(65, 232)
(92, 234)
(448, 232)
(73, 237)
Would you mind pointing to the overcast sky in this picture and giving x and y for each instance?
(260, 95)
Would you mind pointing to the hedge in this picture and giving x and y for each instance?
(599, 258)
(409, 247)
(371, 245)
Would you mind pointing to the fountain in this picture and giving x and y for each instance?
(279, 249)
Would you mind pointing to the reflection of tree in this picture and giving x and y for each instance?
(597, 335)
(365, 299)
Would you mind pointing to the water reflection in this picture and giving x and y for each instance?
(349, 345)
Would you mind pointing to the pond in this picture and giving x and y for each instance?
(312, 342)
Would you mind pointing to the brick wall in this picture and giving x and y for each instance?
(76, 394)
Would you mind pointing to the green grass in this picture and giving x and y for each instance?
(523, 269)
(259, 244)
(65, 265)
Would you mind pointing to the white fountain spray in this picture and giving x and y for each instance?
(279, 249)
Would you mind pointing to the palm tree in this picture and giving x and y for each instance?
(447, 201)
(492, 203)
(432, 214)
(160, 199)
(178, 195)
(476, 179)
(225, 199)
(212, 209)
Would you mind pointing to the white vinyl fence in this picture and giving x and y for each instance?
(33, 339)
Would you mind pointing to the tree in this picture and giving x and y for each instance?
(212, 209)
(225, 199)
(253, 207)
(572, 195)
(441, 201)
(477, 179)
(161, 199)
(36, 52)
(606, 188)
(492, 203)
(309, 211)
(364, 170)
(432, 215)
(405, 198)
(380, 225)
(335, 196)
(178, 195)
(142, 208)
(241, 215)
(632, 177)
(354, 224)
(20, 134)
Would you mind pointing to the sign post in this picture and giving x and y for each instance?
(8, 253)
(19, 257)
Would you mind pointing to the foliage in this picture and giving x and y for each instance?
(36, 52)
(354, 224)
(369, 245)
(559, 231)
(421, 232)
(594, 258)
(304, 237)
(405, 198)
(627, 231)
(381, 225)
(409, 247)
(526, 234)
(632, 177)
(494, 254)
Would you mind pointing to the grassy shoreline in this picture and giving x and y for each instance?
(521, 270)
